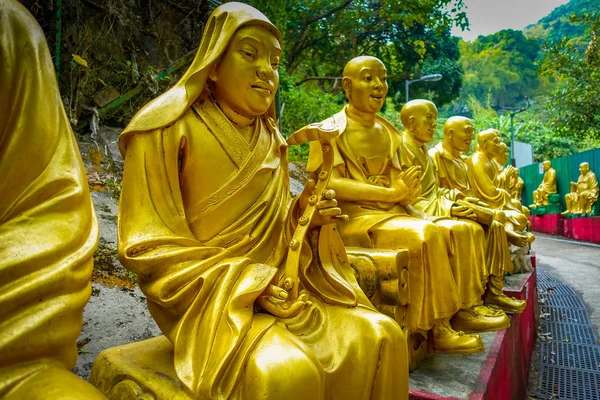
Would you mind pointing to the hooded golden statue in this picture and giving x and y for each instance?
(48, 230)
(204, 223)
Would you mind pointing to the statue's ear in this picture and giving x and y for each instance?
(412, 122)
(347, 85)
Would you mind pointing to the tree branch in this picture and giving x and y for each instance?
(328, 13)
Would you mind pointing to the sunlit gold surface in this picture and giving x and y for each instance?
(204, 224)
(548, 186)
(453, 174)
(48, 229)
(489, 182)
(372, 189)
(584, 192)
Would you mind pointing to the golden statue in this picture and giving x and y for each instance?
(516, 186)
(206, 223)
(453, 174)
(48, 229)
(548, 186)
(489, 183)
(375, 193)
(454, 212)
(584, 192)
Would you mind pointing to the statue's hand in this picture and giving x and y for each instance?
(327, 206)
(411, 178)
(462, 212)
(476, 201)
(274, 300)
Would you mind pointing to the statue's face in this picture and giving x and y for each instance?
(502, 157)
(247, 77)
(546, 165)
(368, 86)
(462, 135)
(583, 169)
(494, 146)
(422, 122)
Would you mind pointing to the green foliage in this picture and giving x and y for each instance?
(557, 25)
(574, 107)
(411, 38)
(500, 68)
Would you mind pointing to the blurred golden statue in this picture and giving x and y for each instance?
(453, 211)
(48, 229)
(489, 183)
(509, 179)
(584, 192)
(516, 186)
(205, 222)
(548, 186)
(376, 194)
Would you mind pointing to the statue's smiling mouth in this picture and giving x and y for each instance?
(263, 88)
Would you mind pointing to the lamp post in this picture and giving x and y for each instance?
(424, 78)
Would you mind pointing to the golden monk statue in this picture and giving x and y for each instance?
(516, 186)
(489, 183)
(584, 192)
(454, 212)
(548, 186)
(48, 230)
(205, 221)
(452, 174)
(376, 194)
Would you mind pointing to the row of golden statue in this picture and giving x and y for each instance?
(583, 195)
(391, 250)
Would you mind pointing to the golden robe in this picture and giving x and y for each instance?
(482, 173)
(433, 292)
(585, 195)
(464, 238)
(452, 173)
(48, 230)
(202, 223)
(548, 186)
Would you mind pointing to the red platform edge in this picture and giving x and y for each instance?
(585, 229)
(505, 373)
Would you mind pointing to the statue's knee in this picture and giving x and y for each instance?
(280, 368)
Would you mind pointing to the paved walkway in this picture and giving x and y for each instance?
(569, 354)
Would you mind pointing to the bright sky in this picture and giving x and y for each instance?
(491, 16)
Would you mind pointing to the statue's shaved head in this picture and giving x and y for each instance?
(455, 123)
(413, 107)
(353, 66)
(484, 136)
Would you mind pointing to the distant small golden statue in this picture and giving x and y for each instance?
(548, 186)
(584, 192)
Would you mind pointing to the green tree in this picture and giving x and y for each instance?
(575, 104)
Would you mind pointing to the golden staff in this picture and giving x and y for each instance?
(324, 133)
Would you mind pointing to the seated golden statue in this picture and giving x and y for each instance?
(453, 212)
(375, 193)
(452, 174)
(584, 192)
(516, 186)
(508, 179)
(489, 185)
(48, 230)
(548, 186)
(205, 222)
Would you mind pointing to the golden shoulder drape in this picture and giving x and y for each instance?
(48, 229)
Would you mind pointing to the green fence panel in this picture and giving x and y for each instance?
(532, 178)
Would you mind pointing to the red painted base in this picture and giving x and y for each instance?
(547, 223)
(585, 229)
(505, 373)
